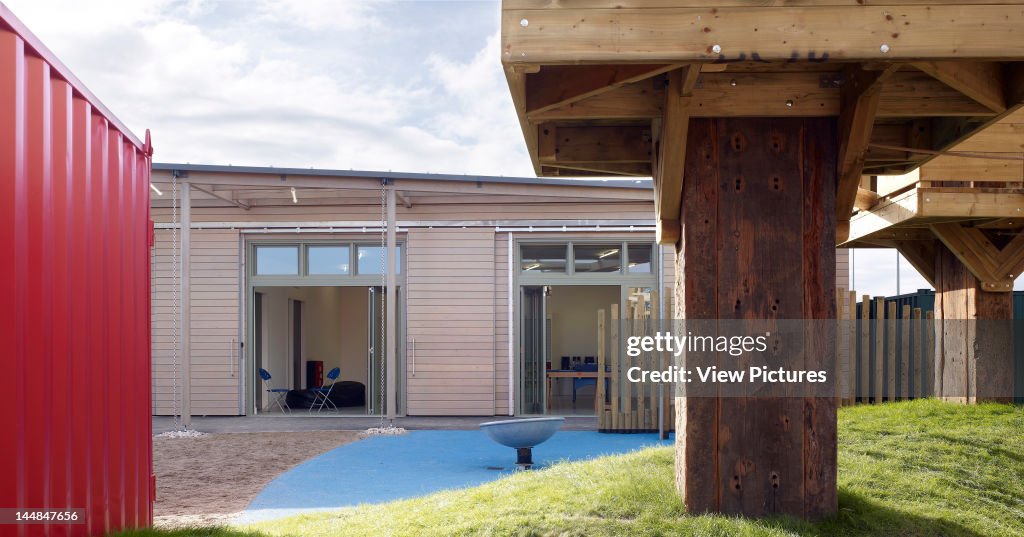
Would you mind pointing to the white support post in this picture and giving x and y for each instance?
(391, 313)
(185, 294)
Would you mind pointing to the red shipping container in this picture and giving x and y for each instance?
(74, 317)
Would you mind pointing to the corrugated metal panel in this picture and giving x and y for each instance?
(74, 318)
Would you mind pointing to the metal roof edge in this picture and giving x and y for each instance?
(639, 184)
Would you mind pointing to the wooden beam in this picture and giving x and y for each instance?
(995, 268)
(643, 100)
(668, 231)
(920, 254)
(981, 81)
(565, 144)
(969, 203)
(709, 33)
(860, 94)
(517, 87)
(907, 94)
(561, 85)
(948, 133)
(912, 94)
(621, 4)
(671, 153)
(598, 169)
(865, 200)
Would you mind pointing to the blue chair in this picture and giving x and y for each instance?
(322, 396)
(279, 395)
(578, 383)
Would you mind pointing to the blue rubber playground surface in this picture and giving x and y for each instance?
(384, 468)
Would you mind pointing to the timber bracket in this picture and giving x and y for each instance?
(995, 267)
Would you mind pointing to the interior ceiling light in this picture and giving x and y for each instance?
(155, 189)
(533, 266)
(608, 253)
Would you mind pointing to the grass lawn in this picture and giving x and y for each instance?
(921, 468)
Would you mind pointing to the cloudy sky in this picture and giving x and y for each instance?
(372, 85)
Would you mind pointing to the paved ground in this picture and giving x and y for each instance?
(211, 479)
(264, 424)
(385, 468)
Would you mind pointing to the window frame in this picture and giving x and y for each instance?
(298, 260)
(304, 278)
(571, 277)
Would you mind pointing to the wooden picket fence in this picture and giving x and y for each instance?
(885, 349)
(629, 407)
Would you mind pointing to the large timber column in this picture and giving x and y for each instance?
(973, 333)
(758, 242)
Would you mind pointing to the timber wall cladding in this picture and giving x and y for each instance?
(758, 243)
(215, 323)
(451, 316)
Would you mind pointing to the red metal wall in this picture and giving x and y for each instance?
(74, 299)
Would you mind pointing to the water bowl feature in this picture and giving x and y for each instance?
(522, 435)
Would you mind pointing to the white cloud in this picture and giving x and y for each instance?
(317, 14)
(296, 83)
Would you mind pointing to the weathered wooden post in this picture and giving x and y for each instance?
(758, 242)
(759, 124)
(972, 269)
(973, 334)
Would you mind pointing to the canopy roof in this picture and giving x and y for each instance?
(601, 85)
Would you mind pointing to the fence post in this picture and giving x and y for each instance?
(929, 334)
(905, 353)
(864, 356)
(852, 348)
(614, 354)
(890, 389)
(917, 358)
(879, 353)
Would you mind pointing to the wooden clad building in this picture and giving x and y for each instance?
(284, 267)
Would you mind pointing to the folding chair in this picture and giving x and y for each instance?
(280, 395)
(322, 396)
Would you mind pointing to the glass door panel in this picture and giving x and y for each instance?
(534, 350)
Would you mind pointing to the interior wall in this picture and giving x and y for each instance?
(352, 330)
(334, 331)
(573, 313)
(275, 336)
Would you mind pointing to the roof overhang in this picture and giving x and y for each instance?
(601, 85)
(247, 187)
